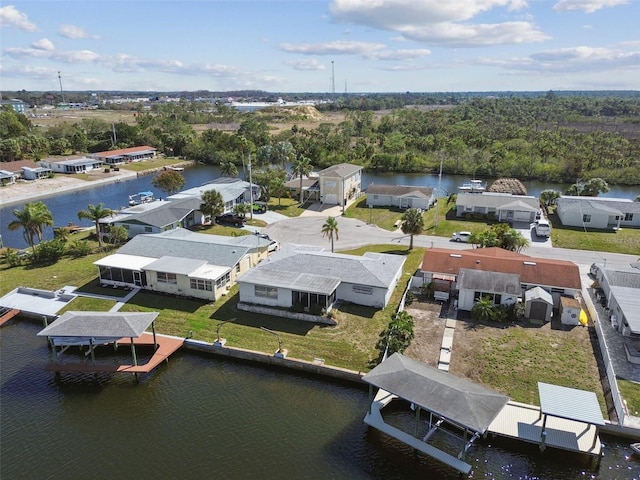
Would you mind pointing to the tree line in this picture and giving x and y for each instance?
(549, 138)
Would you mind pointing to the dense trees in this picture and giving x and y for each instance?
(168, 181)
(499, 235)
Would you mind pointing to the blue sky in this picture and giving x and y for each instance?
(289, 46)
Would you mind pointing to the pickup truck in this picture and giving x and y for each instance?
(231, 219)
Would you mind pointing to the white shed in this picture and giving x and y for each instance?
(570, 311)
(538, 307)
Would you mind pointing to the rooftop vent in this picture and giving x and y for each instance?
(529, 263)
(457, 255)
(478, 261)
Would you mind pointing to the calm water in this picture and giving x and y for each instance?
(206, 417)
(65, 207)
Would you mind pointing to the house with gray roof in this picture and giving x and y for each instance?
(504, 206)
(155, 217)
(598, 212)
(622, 294)
(233, 191)
(339, 183)
(400, 196)
(71, 164)
(181, 262)
(313, 280)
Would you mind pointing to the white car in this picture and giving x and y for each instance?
(461, 237)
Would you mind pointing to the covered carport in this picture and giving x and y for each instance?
(465, 408)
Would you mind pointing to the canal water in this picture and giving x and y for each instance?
(65, 207)
(203, 417)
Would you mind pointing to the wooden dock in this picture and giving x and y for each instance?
(166, 346)
(8, 314)
(524, 422)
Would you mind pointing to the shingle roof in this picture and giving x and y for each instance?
(341, 170)
(494, 282)
(399, 190)
(166, 214)
(99, 324)
(497, 200)
(614, 206)
(532, 270)
(230, 188)
(125, 151)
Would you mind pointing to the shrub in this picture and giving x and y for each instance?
(47, 252)
(79, 248)
(12, 258)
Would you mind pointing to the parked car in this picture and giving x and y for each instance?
(273, 246)
(461, 237)
(542, 228)
(231, 219)
(259, 207)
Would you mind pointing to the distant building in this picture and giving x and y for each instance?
(18, 105)
(71, 164)
(125, 155)
(399, 196)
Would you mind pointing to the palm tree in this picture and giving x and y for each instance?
(95, 213)
(32, 219)
(330, 229)
(228, 169)
(302, 166)
(412, 224)
(212, 204)
(483, 309)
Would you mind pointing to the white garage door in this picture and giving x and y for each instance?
(331, 199)
(521, 216)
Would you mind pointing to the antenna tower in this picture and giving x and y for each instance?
(61, 91)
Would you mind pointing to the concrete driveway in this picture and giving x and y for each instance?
(528, 231)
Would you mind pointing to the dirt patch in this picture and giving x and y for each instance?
(428, 330)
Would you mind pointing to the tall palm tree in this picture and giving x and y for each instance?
(412, 224)
(330, 229)
(95, 213)
(302, 166)
(32, 219)
(228, 169)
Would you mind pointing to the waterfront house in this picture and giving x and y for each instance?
(399, 196)
(621, 292)
(184, 263)
(441, 268)
(155, 217)
(339, 183)
(503, 206)
(598, 212)
(71, 164)
(310, 279)
(233, 191)
(125, 155)
(24, 170)
(7, 177)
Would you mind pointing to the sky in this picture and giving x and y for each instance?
(354, 46)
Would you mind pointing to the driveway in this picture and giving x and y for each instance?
(528, 231)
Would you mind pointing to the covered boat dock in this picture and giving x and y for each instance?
(452, 402)
(93, 329)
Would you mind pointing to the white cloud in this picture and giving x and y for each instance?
(10, 16)
(71, 31)
(439, 22)
(43, 44)
(332, 48)
(73, 56)
(408, 54)
(306, 64)
(588, 6)
(28, 71)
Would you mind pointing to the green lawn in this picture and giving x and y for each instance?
(156, 162)
(626, 240)
(631, 393)
(288, 207)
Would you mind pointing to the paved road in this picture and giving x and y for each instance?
(352, 233)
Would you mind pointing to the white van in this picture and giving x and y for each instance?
(543, 229)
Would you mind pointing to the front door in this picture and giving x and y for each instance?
(137, 279)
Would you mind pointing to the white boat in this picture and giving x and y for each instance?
(175, 169)
(141, 197)
(473, 186)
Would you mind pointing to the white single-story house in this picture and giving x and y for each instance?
(184, 263)
(7, 177)
(598, 212)
(155, 217)
(400, 196)
(505, 207)
(501, 288)
(442, 266)
(313, 279)
(339, 183)
(35, 173)
(71, 164)
(622, 293)
(233, 191)
(125, 155)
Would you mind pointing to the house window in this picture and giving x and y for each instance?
(222, 281)
(147, 229)
(362, 289)
(586, 218)
(266, 291)
(495, 297)
(164, 277)
(198, 284)
(375, 197)
(628, 217)
(238, 268)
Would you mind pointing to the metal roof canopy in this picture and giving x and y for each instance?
(455, 399)
(100, 324)
(570, 404)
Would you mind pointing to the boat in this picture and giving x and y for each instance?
(141, 197)
(175, 169)
(473, 186)
(636, 448)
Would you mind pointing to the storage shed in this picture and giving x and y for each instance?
(538, 307)
(570, 311)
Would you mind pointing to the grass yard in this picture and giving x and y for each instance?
(631, 393)
(84, 304)
(514, 359)
(151, 163)
(626, 240)
(383, 217)
(288, 207)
